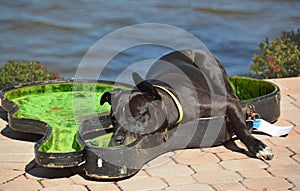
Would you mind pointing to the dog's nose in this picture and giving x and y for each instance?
(119, 139)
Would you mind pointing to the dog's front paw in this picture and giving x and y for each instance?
(265, 154)
(260, 150)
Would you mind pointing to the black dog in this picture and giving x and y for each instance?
(181, 86)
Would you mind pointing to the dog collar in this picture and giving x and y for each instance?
(177, 103)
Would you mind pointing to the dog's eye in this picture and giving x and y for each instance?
(119, 139)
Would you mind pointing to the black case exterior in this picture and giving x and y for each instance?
(125, 161)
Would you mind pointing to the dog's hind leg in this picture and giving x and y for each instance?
(234, 112)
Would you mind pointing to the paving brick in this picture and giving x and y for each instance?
(170, 170)
(297, 158)
(142, 183)
(9, 174)
(16, 158)
(283, 122)
(217, 177)
(259, 173)
(141, 173)
(217, 149)
(13, 166)
(232, 155)
(16, 151)
(267, 183)
(284, 162)
(161, 160)
(195, 157)
(286, 102)
(292, 115)
(21, 183)
(293, 132)
(77, 179)
(243, 164)
(291, 83)
(56, 182)
(285, 171)
(296, 189)
(295, 94)
(178, 180)
(295, 181)
(206, 167)
(280, 151)
(230, 186)
(103, 187)
(297, 128)
(288, 141)
(94, 185)
(65, 188)
(190, 187)
(296, 103)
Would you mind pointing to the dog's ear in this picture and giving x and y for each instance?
(137, 78)
(106, 97)
(145, 86)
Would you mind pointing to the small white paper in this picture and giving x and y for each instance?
(274, 130)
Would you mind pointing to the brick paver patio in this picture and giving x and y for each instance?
(211, 169)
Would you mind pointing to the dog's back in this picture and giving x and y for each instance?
(194, 69)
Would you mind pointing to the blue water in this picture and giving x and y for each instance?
(59, 33)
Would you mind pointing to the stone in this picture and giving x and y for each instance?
(217, 177)
(230, 186)
(142, 183)
(65, 188)
(190, 187)
(267, 183)
(170, 170)
(195, 157)
(243, 164)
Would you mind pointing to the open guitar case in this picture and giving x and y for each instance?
(91, 132)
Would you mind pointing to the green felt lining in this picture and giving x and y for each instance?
(60, 105)
(248, 88)
(103, 141)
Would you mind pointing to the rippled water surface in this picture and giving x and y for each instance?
(59, 33)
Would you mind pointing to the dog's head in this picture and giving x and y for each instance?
(135, 112)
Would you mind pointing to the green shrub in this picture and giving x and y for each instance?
(278, 58)
(19, 72)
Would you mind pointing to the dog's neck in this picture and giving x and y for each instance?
(176, 103)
